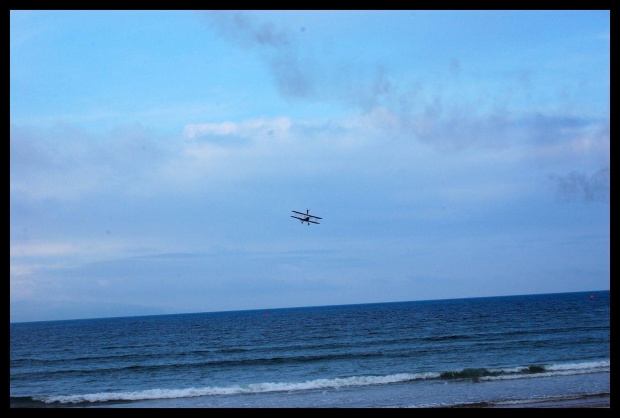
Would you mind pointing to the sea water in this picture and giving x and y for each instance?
(494, 351)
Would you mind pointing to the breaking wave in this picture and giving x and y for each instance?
(475, 374)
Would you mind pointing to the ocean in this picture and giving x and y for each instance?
(509, 351)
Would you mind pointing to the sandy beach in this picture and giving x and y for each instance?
(595, 401)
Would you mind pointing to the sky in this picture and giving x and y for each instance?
(156, 156)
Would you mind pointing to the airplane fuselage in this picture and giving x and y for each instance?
(306, 217)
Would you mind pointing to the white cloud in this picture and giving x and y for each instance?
(253, 128)
(224, 128)
(33, 256)
(79, 247)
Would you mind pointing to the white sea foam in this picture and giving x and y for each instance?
(579, 366)
(554, 370)
(511, 373)
(245, 389)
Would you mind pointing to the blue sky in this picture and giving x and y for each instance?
(155, 157)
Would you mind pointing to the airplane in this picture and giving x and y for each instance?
(306, 217)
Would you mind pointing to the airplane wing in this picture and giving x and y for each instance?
(305, 214)
(304, 220)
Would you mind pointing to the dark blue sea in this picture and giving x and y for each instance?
(512, 351)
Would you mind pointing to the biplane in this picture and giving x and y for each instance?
(306, 217)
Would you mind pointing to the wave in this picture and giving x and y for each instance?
(551, 370)
(473, 374)
(157, 366)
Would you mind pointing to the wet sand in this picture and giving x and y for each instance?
(595, 401)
